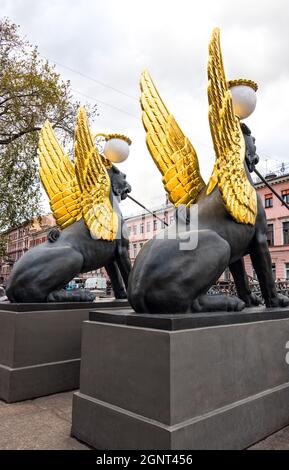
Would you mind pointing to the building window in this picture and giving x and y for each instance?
(148, 226)
(268, 200)
(285, 195)
(287, 271)
(134, 248)
(286, 233)
(163, 222)
(274, 271)
(270, 234)
(129, 231)
(172, 218)
(141, 228)
(140, 246)
(134, 229)
(155, 224)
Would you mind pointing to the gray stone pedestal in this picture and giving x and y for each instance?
(40, 347)
(182, 385)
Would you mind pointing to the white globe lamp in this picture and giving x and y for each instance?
(244, 97)
(116, 148)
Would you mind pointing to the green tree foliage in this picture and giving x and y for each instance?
(30, 92)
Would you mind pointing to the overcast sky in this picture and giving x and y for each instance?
(113, 41)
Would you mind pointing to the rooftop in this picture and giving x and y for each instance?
(274, 175)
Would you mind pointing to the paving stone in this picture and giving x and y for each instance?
(40, 430)
(278, 441)
(61, 404)
(45, 424)
(24, 407)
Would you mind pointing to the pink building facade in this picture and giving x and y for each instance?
(20, 239)
(278, 225)
(143, 227)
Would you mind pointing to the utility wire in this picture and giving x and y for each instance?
(105, 104)
(117, 90)
(128, 113)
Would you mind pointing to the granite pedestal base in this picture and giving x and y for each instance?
(40, 347)
(223, 386)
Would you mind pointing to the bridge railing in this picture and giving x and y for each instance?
(229, 288)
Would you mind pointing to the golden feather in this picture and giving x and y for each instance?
(229, 173)
(58, 178)
(81, 190)
(94, 183)
(170, 149)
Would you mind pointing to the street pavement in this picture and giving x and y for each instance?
(45, 424)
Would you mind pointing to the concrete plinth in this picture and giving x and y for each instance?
(40, 347)
(210, 387)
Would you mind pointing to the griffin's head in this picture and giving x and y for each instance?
(251, 156)
(120, 187)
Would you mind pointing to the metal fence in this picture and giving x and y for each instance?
(228, 287)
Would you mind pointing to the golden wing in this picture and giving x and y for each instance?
(229, 172)
(58, 178)
(94, 183)
(170, 149)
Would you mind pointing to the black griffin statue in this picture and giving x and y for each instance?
(231, 219)
(84, 199)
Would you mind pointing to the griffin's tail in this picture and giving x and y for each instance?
(53, 235)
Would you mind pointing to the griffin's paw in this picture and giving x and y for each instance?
(217, 303)
(234, 304)
(279, 301)
(252, 300)
(121, 295)
(71, 296)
